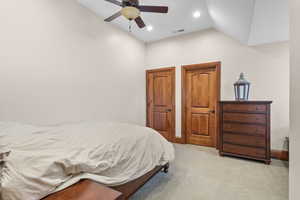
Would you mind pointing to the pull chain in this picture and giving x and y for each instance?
(130, 26)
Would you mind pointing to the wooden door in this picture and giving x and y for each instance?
(201, 91)
(161, 101)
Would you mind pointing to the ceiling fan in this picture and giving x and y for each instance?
(131, 9)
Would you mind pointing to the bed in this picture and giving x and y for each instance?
(37, 161)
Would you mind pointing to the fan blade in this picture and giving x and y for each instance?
(115, 2)
(155, 9)
(109, 19)
(139, 21)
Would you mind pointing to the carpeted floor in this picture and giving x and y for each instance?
(198, 173)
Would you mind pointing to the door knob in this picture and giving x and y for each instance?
(169, 110)
(212, 111)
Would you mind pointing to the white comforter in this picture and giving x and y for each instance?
(43, 160)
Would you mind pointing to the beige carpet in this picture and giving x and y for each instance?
(198, 173)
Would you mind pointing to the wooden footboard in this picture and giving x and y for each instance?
(89, 190)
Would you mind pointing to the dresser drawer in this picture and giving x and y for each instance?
(244, 128)
(249, 140)
(244, 108)
(242, 150)
(245, 118)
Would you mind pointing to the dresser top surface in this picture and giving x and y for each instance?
(247, 102)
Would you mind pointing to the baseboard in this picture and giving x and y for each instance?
(280, 155)
(179, 140)
(275, 154)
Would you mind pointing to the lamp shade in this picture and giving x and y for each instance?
(242, 88)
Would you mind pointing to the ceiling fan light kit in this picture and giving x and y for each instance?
(131, 10)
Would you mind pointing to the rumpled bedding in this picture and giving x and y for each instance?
(36, 161)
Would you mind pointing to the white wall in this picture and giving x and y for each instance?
(267, 67)
(295, 99)
(59, 62)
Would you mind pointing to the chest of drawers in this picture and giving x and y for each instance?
(245, 129)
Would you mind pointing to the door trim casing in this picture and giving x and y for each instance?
(184, 69)
(173, 71)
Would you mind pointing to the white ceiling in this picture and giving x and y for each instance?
(251, 22)
(270, 22)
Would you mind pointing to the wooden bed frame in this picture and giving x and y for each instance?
(88, 190)
(131, 187)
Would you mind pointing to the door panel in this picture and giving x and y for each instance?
(200, 124)
(162, 91)
(200, 94)
(161, 101)
(200, 90)
(160, 121)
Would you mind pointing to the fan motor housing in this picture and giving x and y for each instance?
(133, 3)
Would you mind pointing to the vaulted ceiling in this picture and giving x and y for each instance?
(251, 22)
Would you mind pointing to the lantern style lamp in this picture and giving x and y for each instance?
(241, 88)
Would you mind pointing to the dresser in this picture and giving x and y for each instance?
(245, 129)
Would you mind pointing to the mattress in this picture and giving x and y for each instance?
(37, 161)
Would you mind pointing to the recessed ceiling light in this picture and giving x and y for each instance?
(196, 14)
(149, 28)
